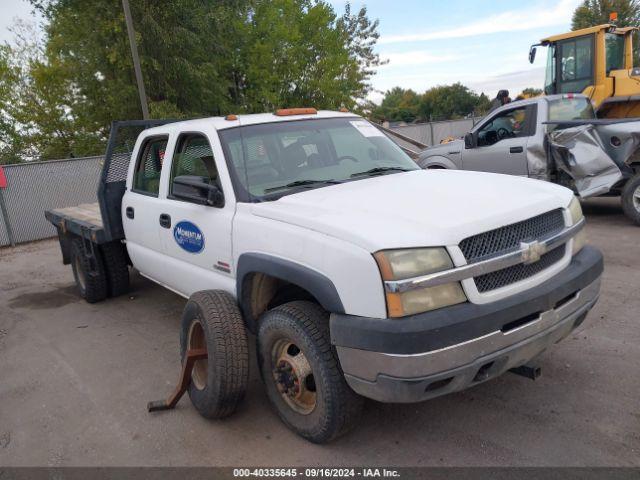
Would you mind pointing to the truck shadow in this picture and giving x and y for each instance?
(603, 206)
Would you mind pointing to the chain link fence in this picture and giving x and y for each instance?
(35, 187)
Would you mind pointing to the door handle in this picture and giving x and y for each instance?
(165, 220)
(130, 212)
(516, 150)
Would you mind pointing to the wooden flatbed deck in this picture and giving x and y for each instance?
(84, 220)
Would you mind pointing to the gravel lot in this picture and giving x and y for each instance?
(75, 379)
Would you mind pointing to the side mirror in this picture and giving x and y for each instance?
(532, 54)
(469, 141)
(193, 188)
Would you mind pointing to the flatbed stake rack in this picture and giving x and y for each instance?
(191, 357)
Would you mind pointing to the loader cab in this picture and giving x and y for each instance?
(595, 61)
(570, 66)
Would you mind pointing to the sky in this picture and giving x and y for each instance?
(482, 44)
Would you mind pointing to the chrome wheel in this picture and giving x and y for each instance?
(197, 340)
(293, 376)
(636, 199)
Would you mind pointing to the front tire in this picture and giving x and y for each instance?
(211, 320)
(631, 199)
(301, 372)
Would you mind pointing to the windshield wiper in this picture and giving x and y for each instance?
(379, 170)
(302, 183)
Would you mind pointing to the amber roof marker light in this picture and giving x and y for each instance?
(231, 117)
(284, 112)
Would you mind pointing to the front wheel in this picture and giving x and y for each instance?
(301, 372)
(212, 321)
(631, 199)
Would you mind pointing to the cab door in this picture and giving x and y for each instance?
(196, 238)
(502, 142)
(140, 206)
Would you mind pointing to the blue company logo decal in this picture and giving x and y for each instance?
(188, 237)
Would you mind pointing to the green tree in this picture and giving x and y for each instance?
(596, 12)
(198, 57)
(298, 52)
(398, 104)
(36, 102)
(482, 106)
(530, 92)
(446, 102)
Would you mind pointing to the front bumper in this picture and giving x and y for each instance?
(427, 355)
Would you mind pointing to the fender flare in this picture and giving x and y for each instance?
(317, 284)
(436, 161)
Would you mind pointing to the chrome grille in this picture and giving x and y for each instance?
(515, 273)
(508, 238)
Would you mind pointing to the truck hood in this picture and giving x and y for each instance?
(417, 208)
(442, 148)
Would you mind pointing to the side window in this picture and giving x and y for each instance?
(575, 64)
(614, 47)
(146, 177)
(508, 124)
(193, 157)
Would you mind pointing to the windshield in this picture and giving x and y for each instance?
(270, 160)
(563, 109)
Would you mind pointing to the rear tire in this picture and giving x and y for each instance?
(212, 320)
(117, 268)
(89, 273)
(631, 199)
(301, 372)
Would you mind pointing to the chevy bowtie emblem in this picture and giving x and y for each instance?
(532, 251)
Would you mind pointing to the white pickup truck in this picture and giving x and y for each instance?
(360, 274)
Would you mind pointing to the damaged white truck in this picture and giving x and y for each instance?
(360, 274)
(556, 138)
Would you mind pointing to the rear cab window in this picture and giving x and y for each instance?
(570, 108)
(146, 176)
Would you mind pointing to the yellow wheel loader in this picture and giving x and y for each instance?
(598, 62)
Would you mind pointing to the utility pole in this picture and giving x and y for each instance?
(136, 59)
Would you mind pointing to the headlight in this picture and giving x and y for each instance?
(408, 263)
(579, 241)
(575, 211)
